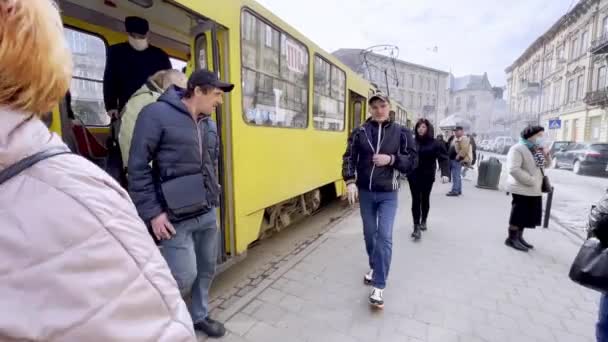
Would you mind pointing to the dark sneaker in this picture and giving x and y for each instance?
(367, 278)
(520, 237)
(210, 327)
(375, 298)
(423, 226)
(453, 194)
(416, 235)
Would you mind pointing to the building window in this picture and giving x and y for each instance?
(330, 96)
(410, 102)
(601, 78)
(557, 87)
(571, 91)
(573, 48)
(86, 89)
(605, 27)
(583, 44)
(548, 65)
(566, 130)
(560, 53)
(420, 82)
(420, 101)
(428, 84)
(412, 81)
(580, 87)
(471, 103)
(596, 123)
(274, 76)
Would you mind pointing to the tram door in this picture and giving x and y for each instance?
(356, 111)
(210, 42)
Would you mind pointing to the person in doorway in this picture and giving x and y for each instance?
(430, 151)
(525, 163)
(178, 195)
(147, 94)
(460, 155)
(130, 64)
(77, 262)
(377, 153)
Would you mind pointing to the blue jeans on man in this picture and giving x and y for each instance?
(456, 169)
(192, 255)
(601, 329)
(378, 211)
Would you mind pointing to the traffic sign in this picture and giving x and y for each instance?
(555, 124)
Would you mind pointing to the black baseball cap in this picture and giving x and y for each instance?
(136, 25)
(202, 78)
(458, 128)
(379, 96)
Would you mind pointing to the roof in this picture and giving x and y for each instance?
(581, 7)
(354, 59)
(470, 82)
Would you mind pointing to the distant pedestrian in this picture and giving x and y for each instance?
(460, 155)
(525, 163)
(377, 152)
(430, 151)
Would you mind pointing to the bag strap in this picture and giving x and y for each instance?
(28, 162)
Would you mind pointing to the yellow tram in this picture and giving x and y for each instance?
(284, 127)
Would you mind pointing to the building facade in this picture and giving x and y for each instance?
(472, 98)
(420, 89)
(561, 78)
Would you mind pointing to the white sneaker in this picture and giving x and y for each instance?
(367, 278)
(375, 298)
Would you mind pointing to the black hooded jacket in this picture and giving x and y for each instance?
(167, 135)
(379, 138)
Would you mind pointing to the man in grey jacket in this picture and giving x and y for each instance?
(178, 194)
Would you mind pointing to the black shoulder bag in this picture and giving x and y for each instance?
(28, 162)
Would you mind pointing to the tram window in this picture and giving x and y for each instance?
(201, 56)
(330, 95)
(275, 76)
(177, 64)
(89, 58)
(357, 111)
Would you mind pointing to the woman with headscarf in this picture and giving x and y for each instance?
(525, 163)
(76, 261)
(430, 151)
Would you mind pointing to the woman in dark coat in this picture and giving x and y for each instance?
(430, 151)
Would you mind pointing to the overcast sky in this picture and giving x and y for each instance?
(472, 36)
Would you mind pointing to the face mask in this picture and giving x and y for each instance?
(138, 44)
(539, 142)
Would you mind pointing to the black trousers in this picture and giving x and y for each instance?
(421, 188)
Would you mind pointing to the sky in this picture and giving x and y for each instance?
(470, 36)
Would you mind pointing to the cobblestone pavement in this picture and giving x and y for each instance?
(460, 283)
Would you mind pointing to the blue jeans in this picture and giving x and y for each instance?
(378, 211)
(456, 168)
(601, 329)
(192, 254)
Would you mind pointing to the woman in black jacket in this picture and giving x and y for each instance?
(430, 151)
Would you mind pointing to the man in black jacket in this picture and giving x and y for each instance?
(130, 64)
(377, 153)
(179, 193)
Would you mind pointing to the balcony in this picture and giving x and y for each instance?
(600, 45)
(597, 98)
(530, 88)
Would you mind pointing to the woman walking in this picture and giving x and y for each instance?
(526, 162)
(430, 151)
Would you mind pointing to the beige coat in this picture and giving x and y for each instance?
(525, 177)
(76, 262)
(463, 149)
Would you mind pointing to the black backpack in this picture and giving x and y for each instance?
(26, 163)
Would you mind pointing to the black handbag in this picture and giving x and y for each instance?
(185, 197)
(546, 186)
(590, 267)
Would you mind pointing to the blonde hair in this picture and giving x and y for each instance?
(166, 78)
(35, 63)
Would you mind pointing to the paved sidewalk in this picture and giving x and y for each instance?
(460, 283)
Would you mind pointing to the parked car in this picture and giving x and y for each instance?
(582, 158)
(558, 145)
(484, 145)
(502, 144)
